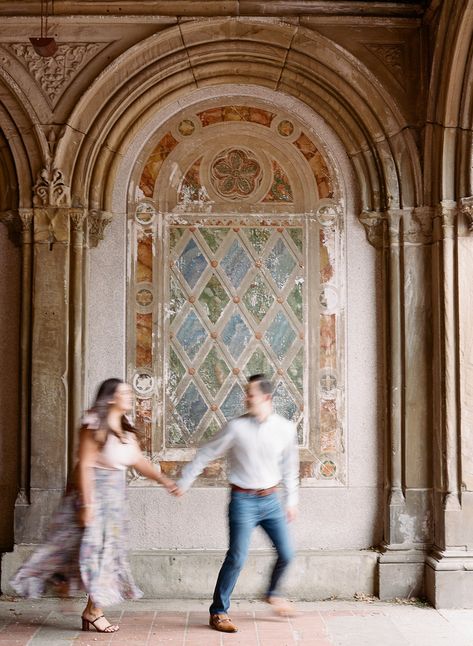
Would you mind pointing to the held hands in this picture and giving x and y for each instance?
(291, 514)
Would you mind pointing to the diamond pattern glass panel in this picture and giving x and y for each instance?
(259, 364)
(258, 298)
(296, 371)
(236, 335)
(283, 402)
(175, 234)
(280, 335)
(191, 335)
(234, 403)
(214, 371)
(191, 408)
(295, 300)
(258, 237)
(214, 236)
(176, 371)
(296, 235)
(191, 263)
(176, 300)
(236, 263)
(280, 263)
(214, 299)
(212, 428)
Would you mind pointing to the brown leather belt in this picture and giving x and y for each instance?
(254, 492)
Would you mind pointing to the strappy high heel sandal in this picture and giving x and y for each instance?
(87, 623)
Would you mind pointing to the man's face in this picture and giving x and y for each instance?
(256, 401)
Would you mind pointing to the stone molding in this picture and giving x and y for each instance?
(373, 221)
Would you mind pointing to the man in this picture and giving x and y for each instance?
(262, 451)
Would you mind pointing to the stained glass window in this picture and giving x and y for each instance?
(235, 308)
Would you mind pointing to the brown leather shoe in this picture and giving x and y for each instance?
(223, 623)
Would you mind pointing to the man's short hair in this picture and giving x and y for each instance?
(263, 382)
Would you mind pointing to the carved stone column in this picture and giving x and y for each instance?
(403, 238)
(449, 568)
(49, 355)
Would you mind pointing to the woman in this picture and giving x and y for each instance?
(85, 547)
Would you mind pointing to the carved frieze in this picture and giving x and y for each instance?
(54, 74)
(392, 55)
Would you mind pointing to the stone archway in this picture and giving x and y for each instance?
(236, 236)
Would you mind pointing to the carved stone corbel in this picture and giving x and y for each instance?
(51, 189)
(373, 221)
(466, 207)
(51, 199)
(96, 222)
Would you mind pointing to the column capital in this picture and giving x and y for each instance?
(373, 221)
(97, 221)
(466, 208)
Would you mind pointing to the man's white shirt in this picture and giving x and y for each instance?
(260, 455)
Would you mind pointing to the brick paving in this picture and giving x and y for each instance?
(51, 622)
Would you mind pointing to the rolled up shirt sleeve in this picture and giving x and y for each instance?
(216, 448)
(290, 472)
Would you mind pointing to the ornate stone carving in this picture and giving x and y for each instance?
(235, 173)
(392, 55)
(77, 218)
(51, 225)
(53, 74)
(418, 224)
(26, 219)
(50, 188)
(373, 221)
(96, 222)
(466, 206)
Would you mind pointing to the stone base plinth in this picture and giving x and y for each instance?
(191, 574)
(449, 581)
(401, 575)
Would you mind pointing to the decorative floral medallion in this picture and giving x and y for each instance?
(328, 469)
(143, 383)
(285, 128)
(145, 213)
(235, 173)
(186, 127)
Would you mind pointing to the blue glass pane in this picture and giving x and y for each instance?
(236, 264)
(283, 403)
(280, 335)
(236, 335)
(234, 403)
(191, 263)
(191, 408)
(280, 263)
(191, 335)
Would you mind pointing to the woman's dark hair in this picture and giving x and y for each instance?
(106, 392)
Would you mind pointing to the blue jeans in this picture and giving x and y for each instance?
(245, 512)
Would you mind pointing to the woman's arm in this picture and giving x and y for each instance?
(149, 470)
(88, 449)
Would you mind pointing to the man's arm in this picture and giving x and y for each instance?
(290, 475)
(214, 449)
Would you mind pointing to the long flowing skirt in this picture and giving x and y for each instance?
(93, 558)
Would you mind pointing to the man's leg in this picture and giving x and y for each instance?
(242, 520)
(275, 525)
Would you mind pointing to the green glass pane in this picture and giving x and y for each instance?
(280, 263)
(296, 235)
(259, 364)
(296, 371)
(214, 236)
(212, 428)
(280, 335)
(295, 300)
(175, 234)
(176, 300)
(258, 237)
(258, 298)
(214, 371)
(176, 371)
(175, 434)
(214, 299)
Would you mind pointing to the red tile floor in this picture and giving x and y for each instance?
(50, 622)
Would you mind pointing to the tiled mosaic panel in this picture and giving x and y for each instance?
(233, 311)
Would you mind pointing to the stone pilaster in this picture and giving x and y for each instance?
(403, 238)
(449, 568)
